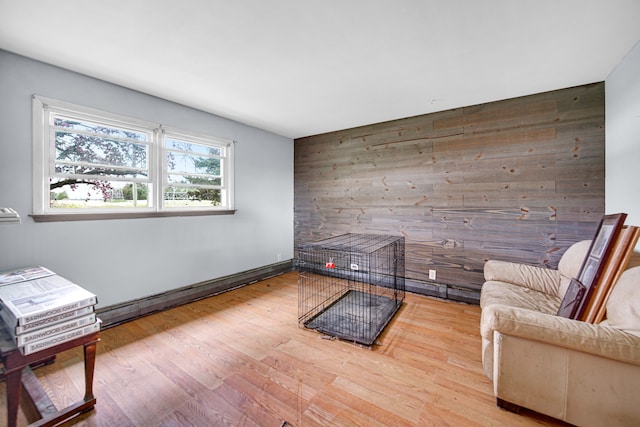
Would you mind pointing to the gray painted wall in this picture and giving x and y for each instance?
(121, 260)
(622, 89)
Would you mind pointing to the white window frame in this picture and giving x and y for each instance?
(44, 159)
(226, 164)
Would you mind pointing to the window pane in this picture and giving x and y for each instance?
(175, 144)
(190, 179)
(92, 194)
(95, 172)
(180, 162)
(76, 147)
(176, 196)
(93, 128)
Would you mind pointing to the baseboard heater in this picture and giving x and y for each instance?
(444, 291)
(116, 314)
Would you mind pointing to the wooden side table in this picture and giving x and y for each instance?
(17, 372)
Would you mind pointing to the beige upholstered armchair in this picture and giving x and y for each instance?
(582, 373)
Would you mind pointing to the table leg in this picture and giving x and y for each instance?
(89, 367)
(14, 386)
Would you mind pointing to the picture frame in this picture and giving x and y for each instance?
(597, 257)
(572, 299)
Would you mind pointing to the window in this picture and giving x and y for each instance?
(91, 162)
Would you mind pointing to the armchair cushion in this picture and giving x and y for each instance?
(503, 293)
(540, 279)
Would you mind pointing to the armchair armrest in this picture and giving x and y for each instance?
(585, 337)
(541, 279)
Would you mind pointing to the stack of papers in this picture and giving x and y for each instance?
(41, 309)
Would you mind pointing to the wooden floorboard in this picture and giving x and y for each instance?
(240, 359)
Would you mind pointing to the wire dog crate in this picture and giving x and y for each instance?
(350, 286)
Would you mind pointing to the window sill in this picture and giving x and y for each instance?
(124, 215)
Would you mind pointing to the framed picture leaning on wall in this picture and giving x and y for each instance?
(598, 256)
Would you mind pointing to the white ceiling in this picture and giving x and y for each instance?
(303, 67)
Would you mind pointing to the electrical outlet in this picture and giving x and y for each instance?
(432, 275)
(279, 257)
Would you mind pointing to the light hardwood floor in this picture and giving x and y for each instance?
(240, 359)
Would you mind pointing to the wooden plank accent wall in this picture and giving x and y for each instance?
(519, 180)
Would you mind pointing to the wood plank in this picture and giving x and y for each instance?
(495, 114)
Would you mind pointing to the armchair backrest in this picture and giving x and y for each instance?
(623, 306)
(570, 263)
